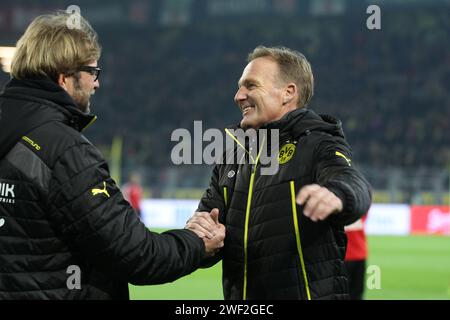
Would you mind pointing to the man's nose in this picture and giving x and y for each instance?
(241, 94)
(96, 84)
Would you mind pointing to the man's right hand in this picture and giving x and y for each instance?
(207, 226)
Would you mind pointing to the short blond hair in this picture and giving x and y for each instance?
(293, 68)
(49, 47)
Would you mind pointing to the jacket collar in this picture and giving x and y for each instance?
(46, 91)
(303, 121)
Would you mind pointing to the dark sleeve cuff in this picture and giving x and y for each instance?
(348, 214)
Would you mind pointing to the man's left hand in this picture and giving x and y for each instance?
(318, 202)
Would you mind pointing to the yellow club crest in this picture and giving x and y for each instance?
(286, 153)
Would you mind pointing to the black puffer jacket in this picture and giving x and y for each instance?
(61, 214)
(273, 251)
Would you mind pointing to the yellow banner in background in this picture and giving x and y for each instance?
(116, 159)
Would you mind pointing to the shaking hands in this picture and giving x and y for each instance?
(206, 226)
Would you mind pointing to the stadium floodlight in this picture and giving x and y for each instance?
(6, 55)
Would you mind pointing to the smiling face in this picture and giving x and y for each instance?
(262, 97)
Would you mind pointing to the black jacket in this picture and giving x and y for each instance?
(62, 214)
(273, 251)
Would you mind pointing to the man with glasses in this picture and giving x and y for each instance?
(66, 232)
(81, 84)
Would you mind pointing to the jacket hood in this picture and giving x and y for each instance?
(27, 104)
(303, 121)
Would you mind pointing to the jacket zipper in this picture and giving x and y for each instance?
(298, 241)
(247, 218)
(247, 211)
(225, 196)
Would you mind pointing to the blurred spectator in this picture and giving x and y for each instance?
(132, 192)
(356, 257)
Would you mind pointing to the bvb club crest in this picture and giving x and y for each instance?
(286, 153)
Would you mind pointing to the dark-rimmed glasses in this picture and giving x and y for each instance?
(94, 71)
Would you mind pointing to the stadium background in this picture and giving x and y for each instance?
(169, 63)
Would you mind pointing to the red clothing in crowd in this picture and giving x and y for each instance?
(357, 242)
(133, 193)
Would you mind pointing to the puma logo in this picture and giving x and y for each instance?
(339, 154)
(96, 191)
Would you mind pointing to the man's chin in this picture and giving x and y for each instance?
(247, 124)
(244, 124)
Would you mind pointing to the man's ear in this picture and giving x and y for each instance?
(62, 81)
(290, 93)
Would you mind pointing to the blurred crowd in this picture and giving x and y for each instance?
(390, 87)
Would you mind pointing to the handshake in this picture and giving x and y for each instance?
(207, 227)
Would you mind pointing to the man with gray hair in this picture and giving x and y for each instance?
(66, 231)
(285, 232)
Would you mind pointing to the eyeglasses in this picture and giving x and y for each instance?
(94, 71)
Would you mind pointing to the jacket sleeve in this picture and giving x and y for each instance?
(91, 215)
(212, 198)
(334, 170)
